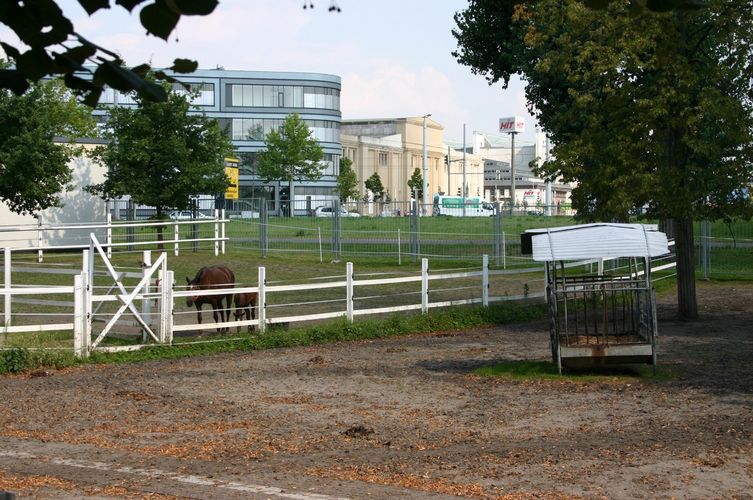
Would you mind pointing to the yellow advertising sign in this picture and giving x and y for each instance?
(231, 170)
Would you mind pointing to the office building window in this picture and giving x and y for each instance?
(203, 93)
(382, 159)
(287, 96)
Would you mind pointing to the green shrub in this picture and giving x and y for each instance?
(15, 360)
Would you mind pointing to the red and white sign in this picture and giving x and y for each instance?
(512, 124)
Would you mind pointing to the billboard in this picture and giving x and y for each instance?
(231, 170)
(512, 124)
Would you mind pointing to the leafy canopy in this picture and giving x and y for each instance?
(160, 155)
(291, 154)
(347, 181)
(374, 184)
(650, 113)
(50, 45)
(416, 182)
(33, 163)
(646, 112)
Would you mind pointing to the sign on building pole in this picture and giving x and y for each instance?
(512, 125)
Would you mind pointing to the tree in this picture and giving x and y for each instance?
(33, 164)
(54, 47)
(650, 114)
(160, 155)
(291, 154)
(416, 183)
(347, 182)
(374, 184)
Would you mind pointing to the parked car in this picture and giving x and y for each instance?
(187, 215)
(329, 212)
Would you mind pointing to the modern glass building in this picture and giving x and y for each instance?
(248, 104)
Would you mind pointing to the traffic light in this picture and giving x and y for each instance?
(446, 160)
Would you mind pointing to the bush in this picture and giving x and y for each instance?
(15, 360)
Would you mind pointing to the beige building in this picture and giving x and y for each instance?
(394, 149)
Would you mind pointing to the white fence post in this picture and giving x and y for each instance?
(223, 216)
(424, 285)
(177, 239)
(109, 235)
(485, 281)
(6, 285)
(166, 311)
(262, 301)
(349, 291)
(78, 315)
(146, 303)
(216, 233)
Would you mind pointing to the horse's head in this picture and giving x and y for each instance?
(238, 314)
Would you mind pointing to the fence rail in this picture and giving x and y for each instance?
(345, 296)
(116, 235)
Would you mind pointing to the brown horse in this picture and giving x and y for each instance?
(211, 278)
(245, 305)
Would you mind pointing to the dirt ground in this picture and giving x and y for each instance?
(395, 418)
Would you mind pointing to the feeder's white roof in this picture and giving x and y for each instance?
(600, 240)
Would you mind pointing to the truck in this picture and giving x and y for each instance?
(475, 206)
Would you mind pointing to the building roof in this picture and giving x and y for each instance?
(595, 241)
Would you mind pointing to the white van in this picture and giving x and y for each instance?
(475, 206)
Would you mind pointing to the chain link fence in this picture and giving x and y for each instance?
(406, 231)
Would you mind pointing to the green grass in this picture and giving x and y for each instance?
(451, 319)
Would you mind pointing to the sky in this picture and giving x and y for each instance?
(394, 56)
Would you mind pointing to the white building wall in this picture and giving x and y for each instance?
(78, 206)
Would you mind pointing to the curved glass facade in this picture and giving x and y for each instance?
(248, 104)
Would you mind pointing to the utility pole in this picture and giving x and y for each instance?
(512, 125)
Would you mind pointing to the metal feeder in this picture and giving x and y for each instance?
(599, 318)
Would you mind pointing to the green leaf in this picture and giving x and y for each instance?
(75, 57)
(92, 6)
(34, 63)
(161, 75)
(596, 4)
(142, 70)
(92, 97)
(129, 4)
(10, 51)
(76, 83)
(14, 80)
(194, 7)
(662, 5)
(184, 66)
(118, 77)
(159, 19)
(153, 92)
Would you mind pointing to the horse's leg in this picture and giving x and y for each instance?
(217, 315)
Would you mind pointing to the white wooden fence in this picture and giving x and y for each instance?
(39, 237)
(160, 325)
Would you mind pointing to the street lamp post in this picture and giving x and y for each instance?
(512, 125)
(426, 184)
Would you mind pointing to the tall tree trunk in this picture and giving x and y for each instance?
(685, 252)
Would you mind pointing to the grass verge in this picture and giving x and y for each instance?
(21, 359)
